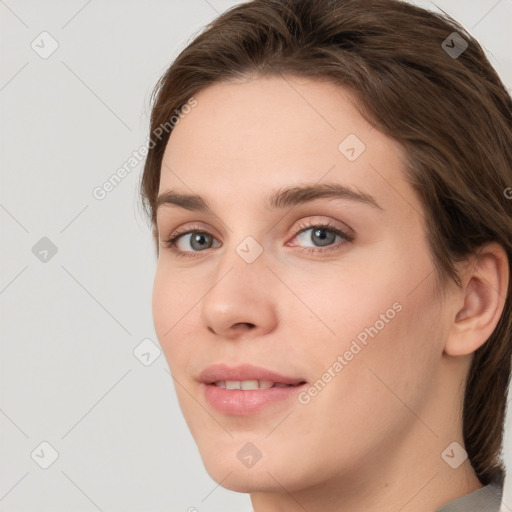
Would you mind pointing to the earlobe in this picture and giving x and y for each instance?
(481, 298)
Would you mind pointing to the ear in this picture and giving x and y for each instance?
(479, 303)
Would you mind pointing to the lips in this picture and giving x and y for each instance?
(221, 373)
(246, 390)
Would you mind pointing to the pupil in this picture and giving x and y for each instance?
(199, 239)
(321, 233)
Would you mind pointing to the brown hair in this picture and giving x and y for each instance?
(452, 114)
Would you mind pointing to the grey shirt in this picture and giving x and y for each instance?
(485, 499)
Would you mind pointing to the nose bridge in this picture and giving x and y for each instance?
(239, 293)
(244, 239)
(243, 263)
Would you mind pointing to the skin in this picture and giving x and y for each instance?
(372, 438)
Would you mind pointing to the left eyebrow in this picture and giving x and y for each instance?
(278, 199)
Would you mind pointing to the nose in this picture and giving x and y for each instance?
(242, 299)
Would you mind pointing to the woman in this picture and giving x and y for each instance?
(329, 189)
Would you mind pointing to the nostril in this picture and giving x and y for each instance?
(244, 326)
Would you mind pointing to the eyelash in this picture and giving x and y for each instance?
(170, 242)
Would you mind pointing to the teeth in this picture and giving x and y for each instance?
(249, 384)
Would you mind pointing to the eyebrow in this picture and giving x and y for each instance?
(278, 199)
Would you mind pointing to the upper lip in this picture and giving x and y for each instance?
(223, 372)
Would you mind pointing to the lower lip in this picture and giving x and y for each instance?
(238, 402)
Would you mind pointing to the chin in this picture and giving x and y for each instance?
(244, 463)
(247, 480)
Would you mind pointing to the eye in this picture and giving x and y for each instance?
(199, 240)
(323, 234)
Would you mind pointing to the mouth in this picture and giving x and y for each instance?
(245, 390)
(244, 385)
(246, 376)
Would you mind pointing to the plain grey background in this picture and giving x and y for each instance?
(77, 272)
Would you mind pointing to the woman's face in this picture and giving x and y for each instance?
(346, 312)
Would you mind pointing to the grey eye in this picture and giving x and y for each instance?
(320, 237)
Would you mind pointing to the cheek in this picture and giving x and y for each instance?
(346, 299)
(392, 340)
(382, 316)
(363, 403)
(170, 309)
(173, 298)
(162, 304)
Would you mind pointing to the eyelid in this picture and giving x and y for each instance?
(187, 228)
(347, 234)
(313, 221)
(309, 223)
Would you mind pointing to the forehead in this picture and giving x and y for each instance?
(268, 133)
(266, 117)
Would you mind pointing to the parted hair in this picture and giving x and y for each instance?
(415, 81)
